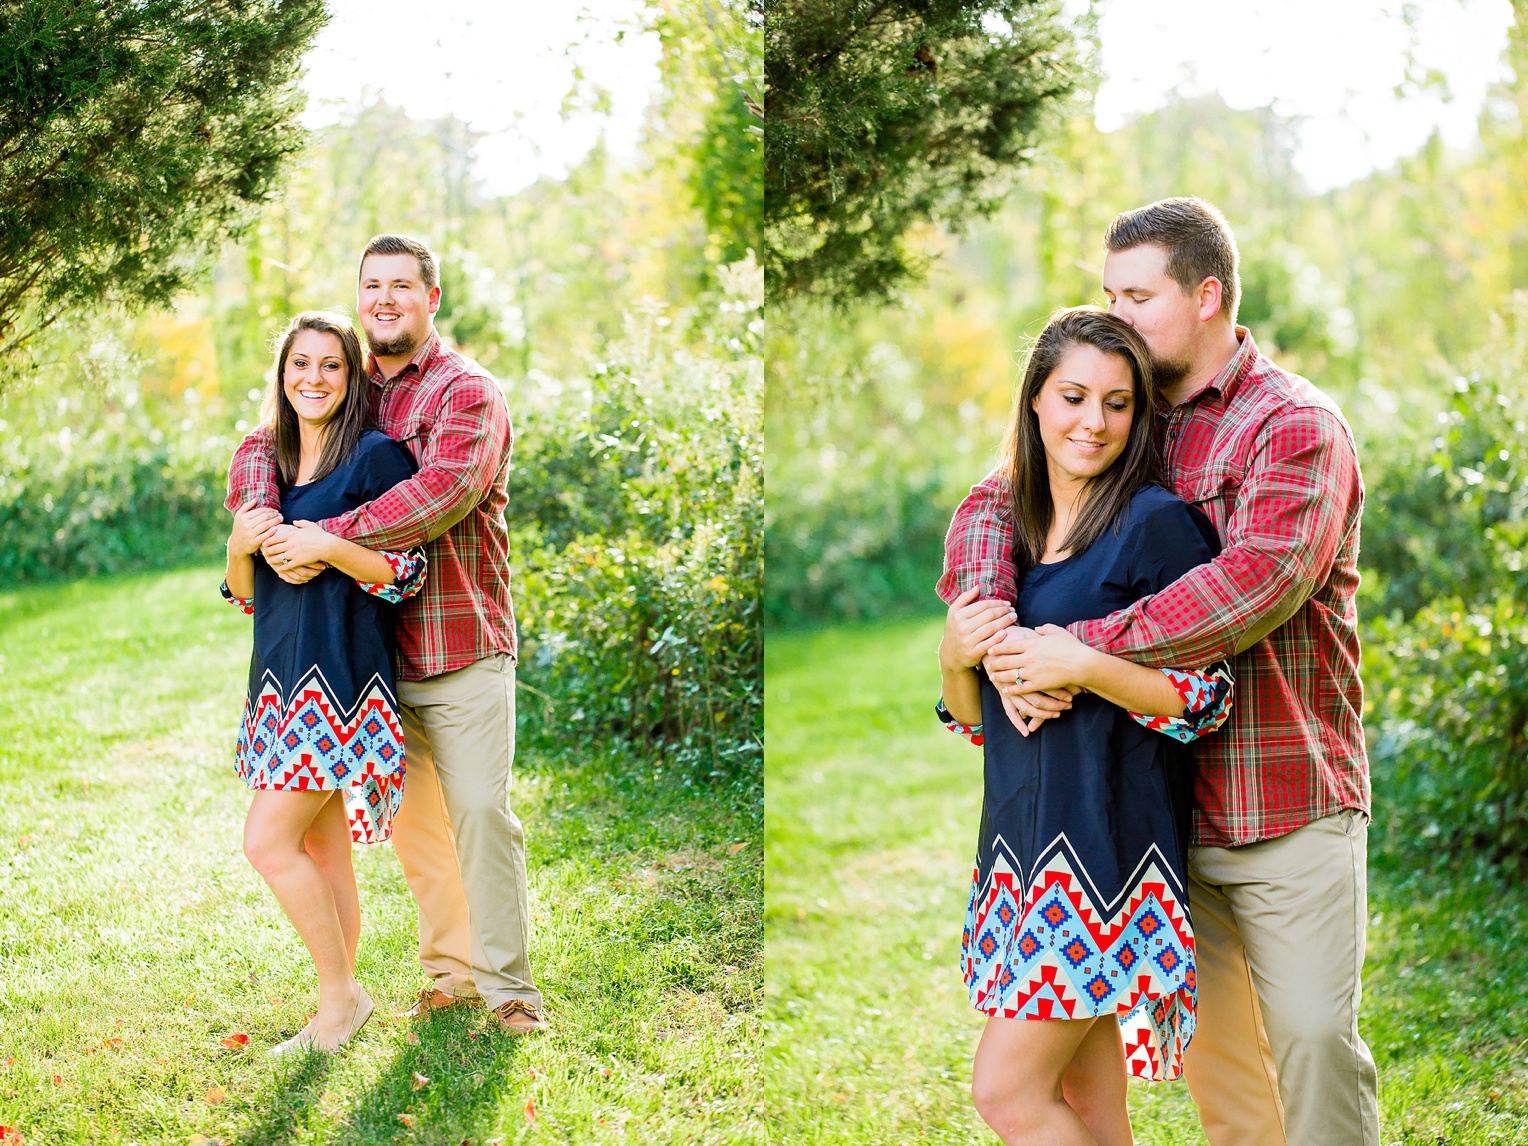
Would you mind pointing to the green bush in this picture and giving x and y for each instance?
(1448, 684)
(637, 541)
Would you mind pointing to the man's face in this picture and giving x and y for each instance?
(393, 304)
(1163, 313)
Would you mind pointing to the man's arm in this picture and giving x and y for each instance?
(1296, 505)
(460, 460)
(978, 549)
(252, 473)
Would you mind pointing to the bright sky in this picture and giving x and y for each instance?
(1335, 63)
(500, 65)
(503, 67)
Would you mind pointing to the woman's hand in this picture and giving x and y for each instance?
(1052, 659)
(970, 628)
(252, 525)
(301, 543)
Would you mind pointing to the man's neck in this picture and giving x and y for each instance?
(1218, 350)
(393, 363)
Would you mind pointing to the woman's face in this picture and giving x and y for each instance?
(314, 376)
(1085, 409)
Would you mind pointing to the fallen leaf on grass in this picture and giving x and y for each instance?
(113, 1043)
(275, 1002)
(10, 1136)
(407, 1120)
(472, 1034)
(419, 1081)
(735, 848)
(467, 1142)
(530, 1110)
(412, 1039)
(214, 1096)
(7, 1062)
(116, 1022)
(531, 1072)
(26, 840)
(605, 1070)
(730, 969)
(58, 1080)
(235, 1040)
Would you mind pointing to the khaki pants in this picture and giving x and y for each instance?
(462, 849)
(1279, 936)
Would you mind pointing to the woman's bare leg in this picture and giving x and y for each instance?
(1094, 1084)
(273, 841)
(1016, 1081)
(328, 842)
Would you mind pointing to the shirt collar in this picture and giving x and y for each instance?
(1230, 377)
(419, 363)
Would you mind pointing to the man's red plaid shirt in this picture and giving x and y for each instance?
(1270, 460)
(452, 417)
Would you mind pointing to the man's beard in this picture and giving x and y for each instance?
(1167, 372)
(402, 343)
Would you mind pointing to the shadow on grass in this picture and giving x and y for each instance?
(294, 1094)
(448, 1087)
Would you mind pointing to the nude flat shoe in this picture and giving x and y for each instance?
(307, 1038)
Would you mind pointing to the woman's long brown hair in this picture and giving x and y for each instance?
(1023, 459)
(343, 428)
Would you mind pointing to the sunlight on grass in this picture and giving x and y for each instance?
(134, 936)
(871, 825)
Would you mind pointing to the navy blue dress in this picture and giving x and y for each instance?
(1079, 903)
(321, 713)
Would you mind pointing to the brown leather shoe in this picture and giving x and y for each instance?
(429, 1000)
(519, 1017)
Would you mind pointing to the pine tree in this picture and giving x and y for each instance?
(134, 138)
(880, 114)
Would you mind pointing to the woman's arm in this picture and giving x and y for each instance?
(307, 543)
(251, 526)
(1053, 658)
(970, 627)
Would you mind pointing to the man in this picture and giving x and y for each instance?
(1277, 867)
(461, 846)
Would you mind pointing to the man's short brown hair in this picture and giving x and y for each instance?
(1196, 237)
(403, 245)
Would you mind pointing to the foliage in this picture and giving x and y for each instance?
(882, 115)
(137, 138)
(713, 58)
(99, 478)
(122, 880)
(1450, 684)
(639, 528)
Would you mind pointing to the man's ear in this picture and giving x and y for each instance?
(434, 299)
(1209, 299)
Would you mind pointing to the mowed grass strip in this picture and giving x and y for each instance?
(134, 937)
(870, 829)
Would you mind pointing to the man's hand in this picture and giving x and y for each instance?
(252, 526)
(1027, 707)
(300, 574)
(970, 628)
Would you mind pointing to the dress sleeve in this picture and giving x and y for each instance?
(1206, 703)
(245, 603)
(972, 732)
(408, 575)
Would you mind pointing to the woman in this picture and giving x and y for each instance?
(321, 744)
(1078, 912)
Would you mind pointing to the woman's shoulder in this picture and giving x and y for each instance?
(1160, 517)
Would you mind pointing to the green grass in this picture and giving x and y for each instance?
(127, 912)
(870, 829)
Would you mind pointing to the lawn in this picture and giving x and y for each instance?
(135, 938)
(870, 827)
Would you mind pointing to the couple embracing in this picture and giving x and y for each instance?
(370, 546)
(1152, 633)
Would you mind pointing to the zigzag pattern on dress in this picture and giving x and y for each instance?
(303, 741)
(1049, 947)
